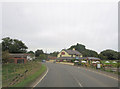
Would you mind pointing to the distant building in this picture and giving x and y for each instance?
(69, 54)
(90, 60)
(51, 58)
(20, 58)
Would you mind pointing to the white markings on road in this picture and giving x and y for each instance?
(41, 78)
(78, 82)
(105, 75)
(102, 74)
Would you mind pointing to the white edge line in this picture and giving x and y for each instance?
(41, 78)
(103, 74)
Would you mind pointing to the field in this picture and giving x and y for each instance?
(21, 74)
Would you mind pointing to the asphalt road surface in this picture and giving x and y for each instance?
(60, 75)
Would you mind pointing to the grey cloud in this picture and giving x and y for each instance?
(53, 26)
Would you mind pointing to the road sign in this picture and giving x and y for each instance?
(98, 66)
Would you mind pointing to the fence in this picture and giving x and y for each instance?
(108, 68)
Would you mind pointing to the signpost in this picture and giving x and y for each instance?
(98, 66)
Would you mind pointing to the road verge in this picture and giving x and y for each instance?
(30, 79)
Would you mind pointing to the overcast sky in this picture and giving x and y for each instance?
(53, 26)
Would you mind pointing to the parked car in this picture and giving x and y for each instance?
(43, 60)
(54, 61)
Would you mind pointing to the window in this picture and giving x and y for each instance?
(63, 53)
(20, 61)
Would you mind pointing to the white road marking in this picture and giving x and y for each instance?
(41, 78)
(102, 74)
(105, 75)
(78, 82)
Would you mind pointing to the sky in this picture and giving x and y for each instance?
(56, 25)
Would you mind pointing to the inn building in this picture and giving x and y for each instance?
(69, 54)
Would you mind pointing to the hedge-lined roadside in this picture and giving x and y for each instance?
(31, 78)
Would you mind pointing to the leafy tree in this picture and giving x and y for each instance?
(42, 56)
(109, 54)
(38, 52)
(13, 45)
(118, 55)
(102, 57)
(78, 47)
(0, 52)
(5, 56)
(85, 52)
(54, 54)
(89, 53)
(31, 52)
(6, 43)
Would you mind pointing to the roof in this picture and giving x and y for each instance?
(86, 58)
(19, 55)
(66, 58)
(93, 58)
(72, 52)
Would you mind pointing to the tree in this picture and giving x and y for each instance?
(5, 56)
(13, 45)
(6, 43)
(102, 57)
(85, 52)
(38, 52)
(78, 47)
(118, 55)
(42, 56)
(109, 54)
(89, 53)
(54, 54)
(31, 52)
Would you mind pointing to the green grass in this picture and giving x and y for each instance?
(31, 78)
(10, 71)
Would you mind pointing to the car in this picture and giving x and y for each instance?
(54, 61)
(43, 60)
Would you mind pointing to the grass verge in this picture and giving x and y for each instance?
(31, 78)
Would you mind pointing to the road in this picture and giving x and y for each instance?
(60, 75)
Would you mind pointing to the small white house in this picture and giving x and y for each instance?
(30, 57)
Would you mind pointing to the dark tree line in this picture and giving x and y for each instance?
(17, 46)
(104, 55)
(109, 54)
(13, 45)
(85, 52)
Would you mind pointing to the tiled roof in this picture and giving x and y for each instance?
(19, 55)
(93, 58)
(66, 58)
(72, 52)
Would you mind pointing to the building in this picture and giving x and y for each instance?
(69, 54)
(20, 58)
(30, 57)
(51, 58)
(90, 60)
